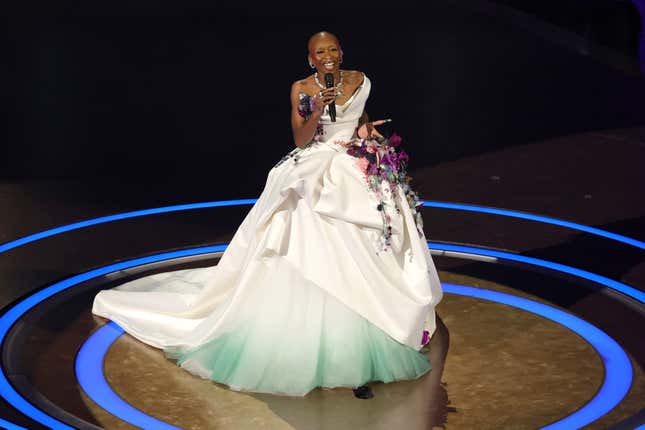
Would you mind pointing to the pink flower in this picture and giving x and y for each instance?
(362, 164)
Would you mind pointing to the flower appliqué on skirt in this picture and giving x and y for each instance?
(385, 169)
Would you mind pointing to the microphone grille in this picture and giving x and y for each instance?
(329, 80)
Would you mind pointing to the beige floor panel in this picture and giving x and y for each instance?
(506, 369)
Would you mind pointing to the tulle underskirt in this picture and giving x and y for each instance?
(297, 337)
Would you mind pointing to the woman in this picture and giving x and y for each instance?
(327, 282)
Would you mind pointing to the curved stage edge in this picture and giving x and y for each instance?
(618, 376)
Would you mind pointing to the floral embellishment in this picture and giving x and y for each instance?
(305, 108)
(294, 154)
(425, 338)
(363, 164)
(306, 105)
(385, 170)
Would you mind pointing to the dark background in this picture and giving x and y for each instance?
(197, 95)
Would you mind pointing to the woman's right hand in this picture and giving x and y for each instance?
(323, 98)
(368, 131)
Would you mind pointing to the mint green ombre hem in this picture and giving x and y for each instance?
(289, 336)
(245, 361)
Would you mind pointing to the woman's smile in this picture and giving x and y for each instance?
(329, 65)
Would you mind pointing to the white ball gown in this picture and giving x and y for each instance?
(328, 281)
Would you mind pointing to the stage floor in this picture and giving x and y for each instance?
(515, 348)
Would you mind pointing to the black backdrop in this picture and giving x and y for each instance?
(199, 94)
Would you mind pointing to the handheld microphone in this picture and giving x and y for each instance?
(329, 82)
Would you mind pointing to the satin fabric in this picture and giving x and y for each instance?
(304, 262)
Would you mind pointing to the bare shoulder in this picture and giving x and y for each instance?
(296, 88)
(353, 77)
(302, 84)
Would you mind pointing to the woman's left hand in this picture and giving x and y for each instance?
(368, 130)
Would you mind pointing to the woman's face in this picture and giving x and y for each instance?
(324, 53)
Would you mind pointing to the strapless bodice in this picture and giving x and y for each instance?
(347, 116)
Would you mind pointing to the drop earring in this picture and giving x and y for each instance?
(311, 65)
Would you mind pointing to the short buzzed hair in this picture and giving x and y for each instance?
(321, 34)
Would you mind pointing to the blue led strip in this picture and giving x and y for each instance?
(9, 319)
(90, 376)
(459, 206)
(7, 390)
(610, 395)
(615, 285)
(538, 218)
(10, 426)
(77, 225)
(618, 369)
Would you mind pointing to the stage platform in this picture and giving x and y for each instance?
(540, 251)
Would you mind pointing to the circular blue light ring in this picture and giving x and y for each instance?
(18, 402)
(8, 319)
(618, 369)
(615, 285)
(459, 206)
(109, 218)
(89, 374)
(10, 426)
(539, 218)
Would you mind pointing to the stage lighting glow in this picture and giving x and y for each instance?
(538, 218)
(10, 426)
(618, 369)
(92, 380)
(458, 206)
(617, 376)
(615, 285)
(125, 215)
(9, 319)
(17, 401)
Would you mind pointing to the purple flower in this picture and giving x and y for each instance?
(403, 156)
(382, 163)
(394, 140)
(425, 338)
(306, 105)
(389, 159)
(372, 169)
